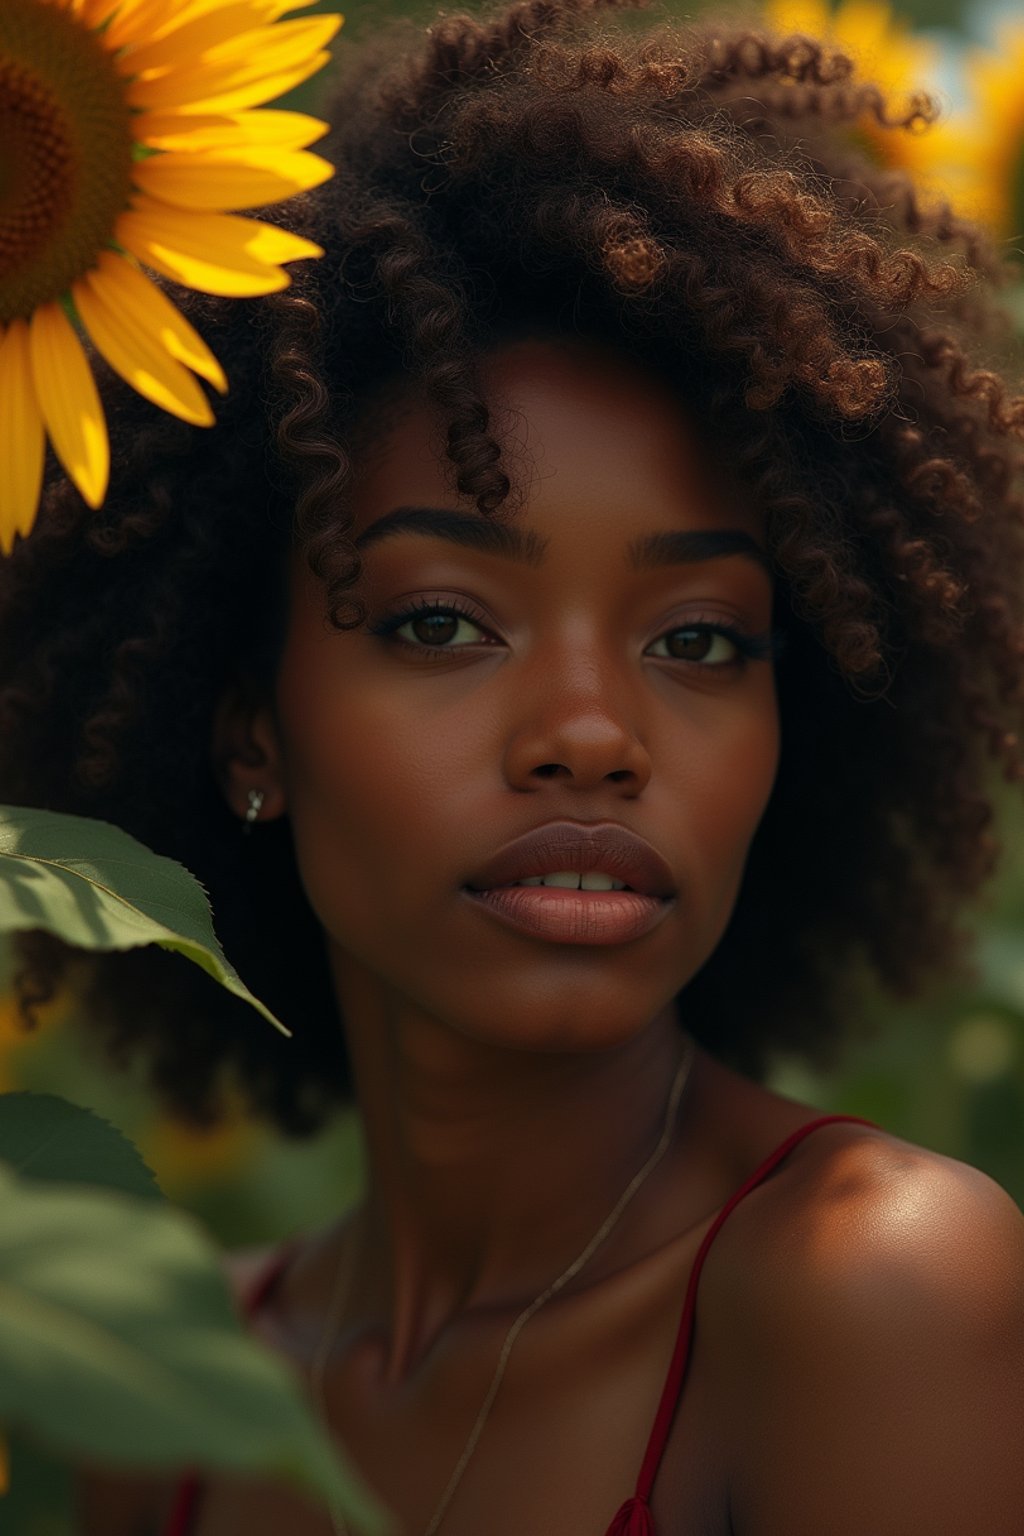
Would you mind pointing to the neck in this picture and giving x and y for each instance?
(488, 1170)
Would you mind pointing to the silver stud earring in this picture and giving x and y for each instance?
(256, 798)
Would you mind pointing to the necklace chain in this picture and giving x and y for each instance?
(339, 1295)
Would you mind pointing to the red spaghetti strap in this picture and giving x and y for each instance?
(185, 1507)
(634, 1518)
(677, 1368)
(268, 1277)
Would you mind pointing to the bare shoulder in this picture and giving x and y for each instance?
(120, 1503)
(882, 1222)
(883, 1335)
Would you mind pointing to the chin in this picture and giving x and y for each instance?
(580, 1030)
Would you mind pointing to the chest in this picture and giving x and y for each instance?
(560, 1449)
(550, 1479)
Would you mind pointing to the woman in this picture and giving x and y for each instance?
(616, 504)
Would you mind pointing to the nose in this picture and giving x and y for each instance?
(576, 721)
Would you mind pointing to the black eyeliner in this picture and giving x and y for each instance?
(766, 646)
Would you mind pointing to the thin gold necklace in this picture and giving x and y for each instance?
(339, 1295)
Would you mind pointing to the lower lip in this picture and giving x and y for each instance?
(573, 917)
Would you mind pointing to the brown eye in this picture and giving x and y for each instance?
(700, 643)
(435, 628)
(430, 626)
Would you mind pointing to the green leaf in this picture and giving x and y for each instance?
(1000, 958)
(41, 1496)
(43, 1136)
(94, 886)
(119, 1344)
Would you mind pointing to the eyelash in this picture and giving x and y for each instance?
(761, 647)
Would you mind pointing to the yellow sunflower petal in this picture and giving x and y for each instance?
(22, 440)
(811, 17)
(268, 243)
(139, 360)
(152, 19)
(258, 60)
(95, 12)
(276, 8)
(278, 43)
(228, 130)
(70, 402)
(131, 21)
(252, 92)
(217, 183)
(192, 38)
(315, 32)
(863, 22)
(214, 252)
(147, 307)
(269, 10)
(144, 20)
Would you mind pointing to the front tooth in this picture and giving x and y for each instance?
(570, 881)
(593, 880)
(596, 882)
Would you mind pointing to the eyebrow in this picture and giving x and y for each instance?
(524, 545)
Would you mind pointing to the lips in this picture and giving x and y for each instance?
(578, 846)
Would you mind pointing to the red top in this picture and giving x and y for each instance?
(634, 1518)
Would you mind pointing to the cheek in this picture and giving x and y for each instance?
(749, 770)
(358, 779)
(728, 783)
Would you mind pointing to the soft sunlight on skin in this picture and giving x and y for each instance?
(485, 1058)
(682, 752)
(775, 325)
(505, 1080)
(401, 774)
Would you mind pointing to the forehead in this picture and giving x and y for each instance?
(603, 451)
(581, 428)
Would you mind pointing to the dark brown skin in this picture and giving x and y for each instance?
(858, 1364)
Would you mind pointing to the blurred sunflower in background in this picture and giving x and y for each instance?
(12, 1035)
(885, 49)
(982, 148)
(131, 141)
(53, 1056)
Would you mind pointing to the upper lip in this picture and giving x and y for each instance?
(570, 845)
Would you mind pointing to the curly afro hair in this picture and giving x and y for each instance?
(695, 196)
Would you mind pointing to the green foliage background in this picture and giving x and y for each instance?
(946, 1072)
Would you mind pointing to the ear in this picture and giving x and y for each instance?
(247, 753)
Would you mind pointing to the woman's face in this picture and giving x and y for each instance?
(578, 689)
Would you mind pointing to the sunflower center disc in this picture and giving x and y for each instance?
(66, 131)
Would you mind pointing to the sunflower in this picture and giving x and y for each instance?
(188, 1158)
(131, 142)
(983, 149)
(885, 51)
